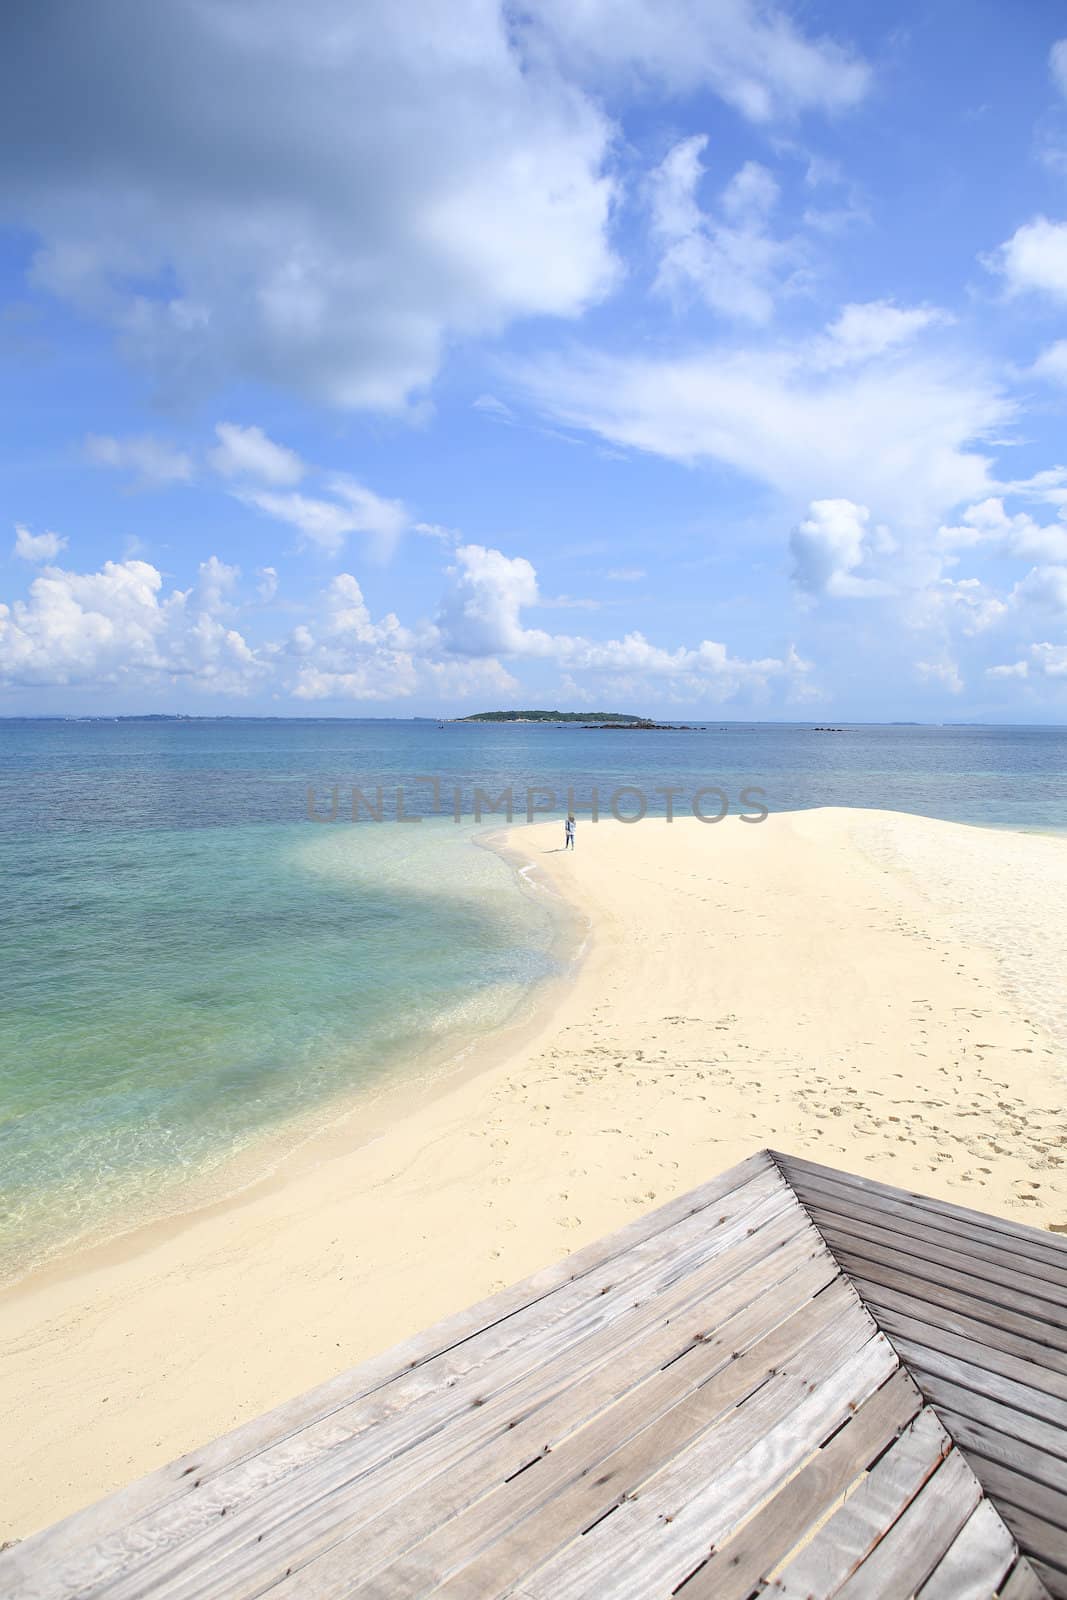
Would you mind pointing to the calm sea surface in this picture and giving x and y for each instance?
(189, 966)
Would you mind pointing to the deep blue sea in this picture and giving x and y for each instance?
(190, 965)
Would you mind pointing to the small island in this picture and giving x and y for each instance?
(614, 718)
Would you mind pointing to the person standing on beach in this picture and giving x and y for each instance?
(568, 833)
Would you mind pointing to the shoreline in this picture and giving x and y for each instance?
(723, 1002)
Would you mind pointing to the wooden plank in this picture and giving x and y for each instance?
(1022, 1583)
(920, 1537)
(426, 1541)
(796, 1168)
(875, 1281)
(978, 1355)
(853, 1252)
(1022, 1398)
(84, 1528)
(362, 1428)
(735, 1567)
(1055, 1581)
(1044, 1541)
(666, 1523)
(332, 1504)
(587, 1474)
(1001, 1483)
(847, 1538)
(837, 1194)
(979, 1439)
(941, 1392)
(976, 1562)
(1047, 1364)
(989, 1269)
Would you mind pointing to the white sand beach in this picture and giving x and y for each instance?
(881, 992)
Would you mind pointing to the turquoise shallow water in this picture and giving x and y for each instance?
(189, 967)
(169, 997)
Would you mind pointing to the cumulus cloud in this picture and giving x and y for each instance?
(1034, 259)
(1043, 660)
(37, 547)
(154, 463)
(116, 626)
(730, 260)
(319, 197)
(1018, 535)
(833, 540)
(1043, 588)
(248, 453)
(752, 54)
(327, 523)
(481, 616)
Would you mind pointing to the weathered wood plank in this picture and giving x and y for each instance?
(995, 1273)
(838, 1195)
(976, 1562)
(876, 1281)
(1022, 1583)
(980, 1440)
(736, 1566)
(920, 1537)
(364, 1476)
(408, 1501)
(795, 1168)
(654, 1541)
(855, 1254)
(585, 1472)
(1053, 1578)
(941, 1391)
(1035, 1536)
(1046, 1364)
(356, 1435)
(848, 1537)
(1002, 1484)
(1021, 1397)
(116, 1512)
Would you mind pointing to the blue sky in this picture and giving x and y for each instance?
(639, 354)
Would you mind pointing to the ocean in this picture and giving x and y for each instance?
(197, 964)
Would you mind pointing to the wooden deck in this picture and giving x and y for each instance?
(977, 1309)
(700, 1404)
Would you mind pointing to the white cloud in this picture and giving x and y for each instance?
(1034, 259)
(944, 672)
(115, 626)
(268, 584)
(895, 434)
(248, 453)
(154, 463)
(752, 54)
(731, 261)
(1044, 588)
(327, 523)
(1057, 60)
(1044, 661)
(481, 616)
(866, 330)
(1018, 535)
(625, 574)
(37, 547)
(372, 183)
(1051, 364)
(829, 545)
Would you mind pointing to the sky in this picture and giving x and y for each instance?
(681, 357)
